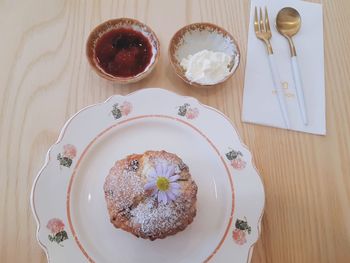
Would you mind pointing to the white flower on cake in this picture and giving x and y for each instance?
(163, 182)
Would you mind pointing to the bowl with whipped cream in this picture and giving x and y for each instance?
(204, 54)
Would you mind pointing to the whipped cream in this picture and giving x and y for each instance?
(206, 67)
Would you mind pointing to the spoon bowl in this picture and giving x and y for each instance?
(288, 21)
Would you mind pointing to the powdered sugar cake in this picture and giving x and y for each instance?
(151, 195)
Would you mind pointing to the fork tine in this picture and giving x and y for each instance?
(256, 23)
(267, 23)
(262, 27)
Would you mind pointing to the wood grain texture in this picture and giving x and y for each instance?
(45, 79)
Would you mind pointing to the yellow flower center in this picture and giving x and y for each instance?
(163, 184)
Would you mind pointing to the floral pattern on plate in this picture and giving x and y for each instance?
(120, 110)
(241, 230)
(188, 112)
(236, 159)
(213, 130)
(66, 158)
(58, 234)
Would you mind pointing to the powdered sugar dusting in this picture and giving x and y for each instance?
(158, 218)
(135, 209)
(125, 188)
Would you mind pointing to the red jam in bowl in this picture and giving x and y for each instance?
(123, 52)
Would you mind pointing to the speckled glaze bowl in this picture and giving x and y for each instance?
(119, 23)
(196, 37)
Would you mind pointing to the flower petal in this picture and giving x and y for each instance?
(159, 170)
(159, 197)
(170, 195)
(175, 189)
(170, 171)
(165, 168)
(176, 192)
(162, 197)
(174, 185)
(174, 178)
(150, 185)
(152, 174)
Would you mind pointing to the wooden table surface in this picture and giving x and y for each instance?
(45, 79)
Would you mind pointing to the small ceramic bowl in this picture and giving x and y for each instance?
(197, 37)
(122, 23)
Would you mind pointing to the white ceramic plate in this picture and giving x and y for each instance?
(68, 198)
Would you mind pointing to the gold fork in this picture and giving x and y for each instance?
(263, 32)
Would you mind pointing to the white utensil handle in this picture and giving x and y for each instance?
(280, 93)
(299, 89)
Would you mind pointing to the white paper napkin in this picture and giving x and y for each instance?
(260, 104)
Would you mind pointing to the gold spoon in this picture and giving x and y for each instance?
(288, 23)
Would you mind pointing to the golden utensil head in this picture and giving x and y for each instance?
(288, 21)
(262, 28)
